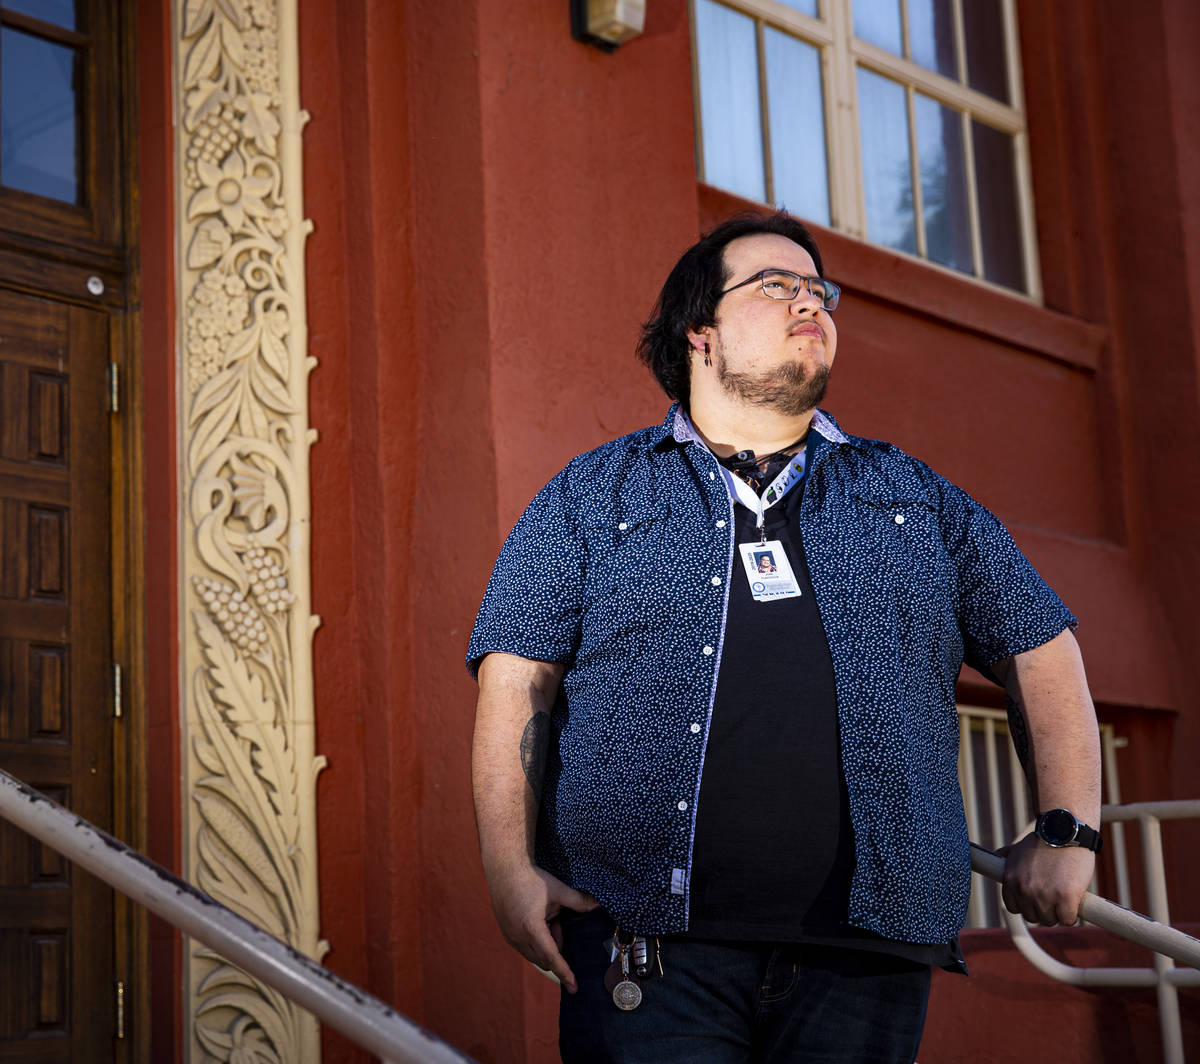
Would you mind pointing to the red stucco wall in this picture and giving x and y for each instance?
(479, 141)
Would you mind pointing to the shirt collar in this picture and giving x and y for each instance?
(678, 426)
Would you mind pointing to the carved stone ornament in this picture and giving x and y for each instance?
(249, 786)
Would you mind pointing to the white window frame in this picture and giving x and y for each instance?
(841, 53)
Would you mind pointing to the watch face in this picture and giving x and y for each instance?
(1058, 827)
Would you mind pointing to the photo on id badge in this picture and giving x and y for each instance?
(768, 571)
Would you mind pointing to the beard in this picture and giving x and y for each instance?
(788, 389)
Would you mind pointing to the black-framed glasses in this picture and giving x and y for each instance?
(783, 284)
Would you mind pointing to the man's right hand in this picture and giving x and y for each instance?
(527, 901)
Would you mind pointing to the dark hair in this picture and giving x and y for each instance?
(689, 298)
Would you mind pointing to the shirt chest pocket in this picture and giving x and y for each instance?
(903, 533)
(633, 547)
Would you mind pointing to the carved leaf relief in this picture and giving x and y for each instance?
(253, 800)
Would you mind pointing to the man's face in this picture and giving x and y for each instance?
(770, 352)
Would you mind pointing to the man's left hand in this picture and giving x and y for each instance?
(1044, 883)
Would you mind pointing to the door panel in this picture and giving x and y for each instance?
(56, 922)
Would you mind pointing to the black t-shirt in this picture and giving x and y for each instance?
(774, 847)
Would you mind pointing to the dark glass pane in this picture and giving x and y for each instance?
(797, 114)
(999, 220)
(887, 170)
(60, 12)
(878, 22)
(805, 7)
(39, 116)
(731, 121)
(943, 184)
(983, 28)
(931, 35)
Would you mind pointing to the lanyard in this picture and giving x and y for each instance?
(739, 490)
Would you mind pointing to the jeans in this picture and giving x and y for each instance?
(742, 1002)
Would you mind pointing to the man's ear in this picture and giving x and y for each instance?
(698, 338)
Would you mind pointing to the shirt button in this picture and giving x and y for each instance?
(707, 651)
(720, 524)
(716, 580)
(899, 519)
(712, 476)
(695, 729)
(682, 806)
(623, 525)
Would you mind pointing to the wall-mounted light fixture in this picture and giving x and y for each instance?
(607, 23)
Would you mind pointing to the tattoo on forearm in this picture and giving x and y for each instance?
(534, 742)
(1019, 732)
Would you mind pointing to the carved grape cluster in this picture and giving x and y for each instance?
(215, 136)
(267, 582)
(217, 311)
(261, 51)
(238, 619)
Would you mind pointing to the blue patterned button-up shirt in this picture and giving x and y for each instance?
(619, 570)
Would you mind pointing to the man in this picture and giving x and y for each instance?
(750, 785)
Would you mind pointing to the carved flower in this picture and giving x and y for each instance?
(249, 493)
(230, 190)
(262, 12)
(249, 1043)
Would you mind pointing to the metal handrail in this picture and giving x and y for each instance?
(362, 1018)
(377, 1027)
(1161, 938)
(1154, 931)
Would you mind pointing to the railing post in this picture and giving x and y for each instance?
(1156, 892)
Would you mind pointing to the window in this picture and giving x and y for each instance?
(41, 60)
(896, 121)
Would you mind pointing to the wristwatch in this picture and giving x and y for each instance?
(1060, 827)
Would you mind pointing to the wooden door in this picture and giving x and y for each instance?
(62, 288)
(56, 922)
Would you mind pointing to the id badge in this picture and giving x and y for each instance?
(769, 571)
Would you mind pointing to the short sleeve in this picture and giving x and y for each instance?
(1004, 606)
(534, 599)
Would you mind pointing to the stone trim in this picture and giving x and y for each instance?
(249, 765)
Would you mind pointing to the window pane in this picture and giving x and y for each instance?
(887, 171)
(987, 68)
(805, 7)
(38, 116)
(59, 12)
(797, 122)
(931, 35)
(729, 105)
(943, 184)
(878, 21)
(999, 222)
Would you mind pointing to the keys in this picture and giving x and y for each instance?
(641, 962)
(626, 993)
(632, 962)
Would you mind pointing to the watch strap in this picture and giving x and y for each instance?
(1089, 838)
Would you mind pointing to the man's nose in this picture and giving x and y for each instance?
(804, 300)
